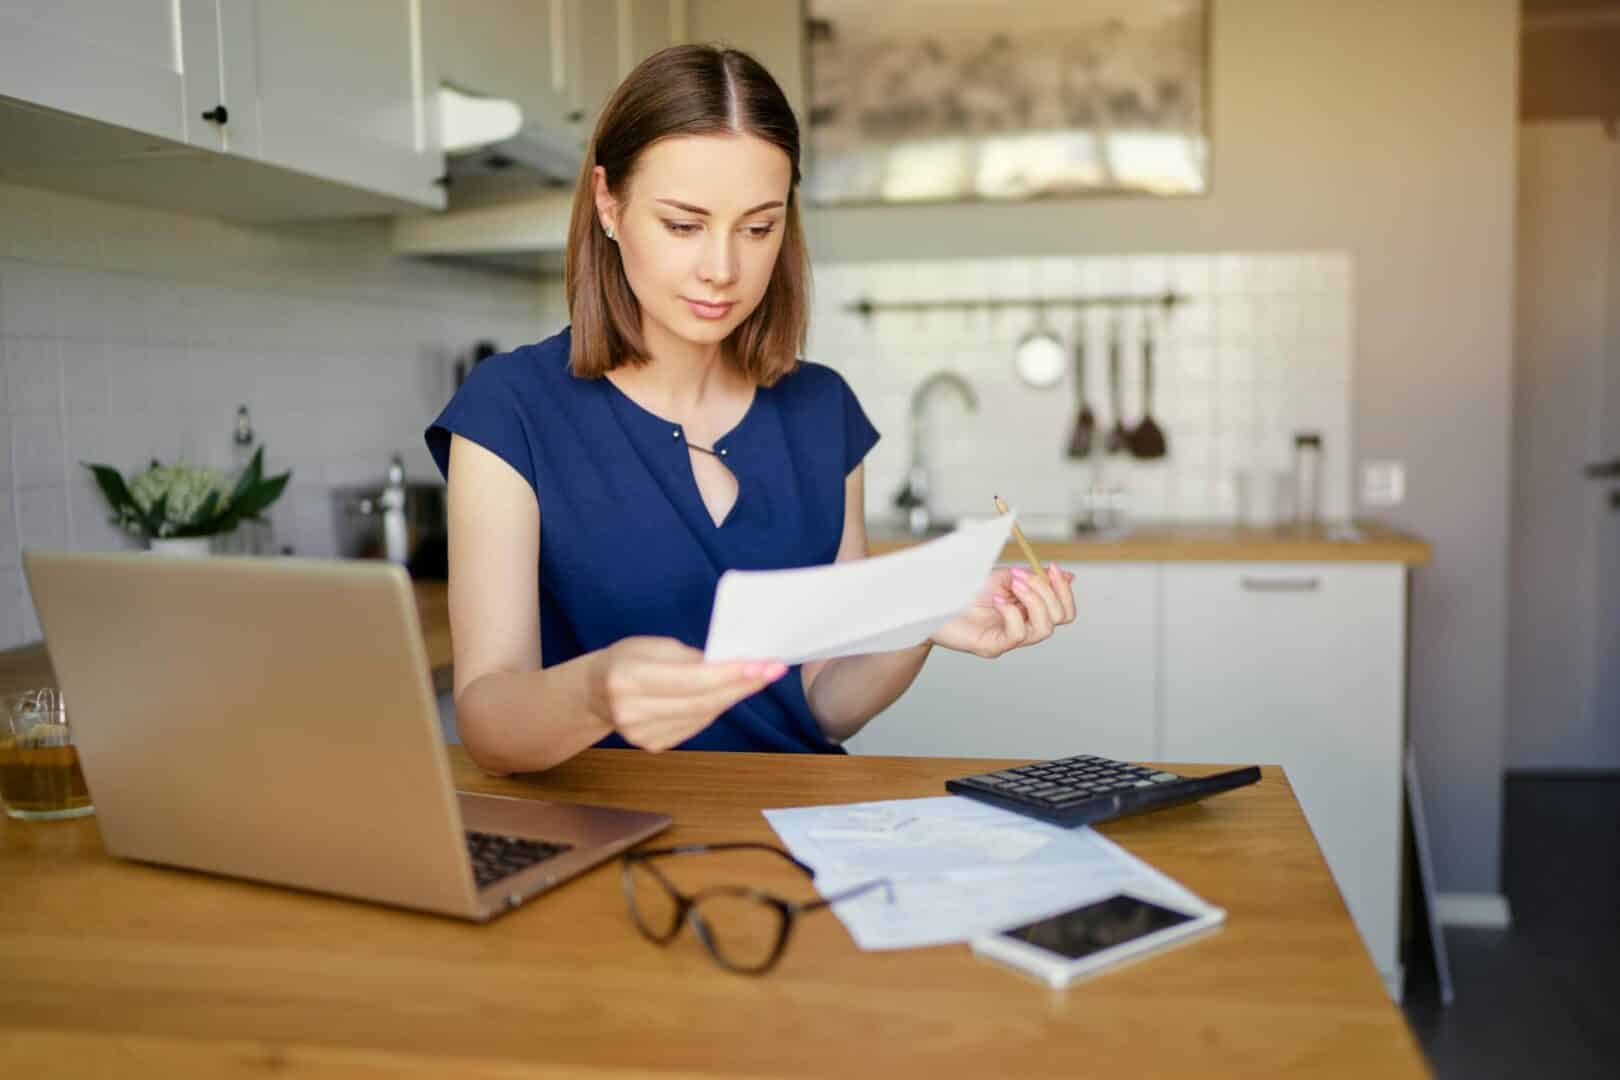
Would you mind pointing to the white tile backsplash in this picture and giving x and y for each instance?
(12, 621)
(41, 516)
(127, 334)
(37, 453)
(8, 535)
(1261, 349)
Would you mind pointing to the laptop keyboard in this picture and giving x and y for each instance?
(496, 857)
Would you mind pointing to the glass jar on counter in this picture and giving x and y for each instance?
(1306, 481)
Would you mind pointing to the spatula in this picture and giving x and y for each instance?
(1085, 422)
(1147, 441)
(1119, 438)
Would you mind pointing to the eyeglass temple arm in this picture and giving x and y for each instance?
(828, 901)
(693, 849)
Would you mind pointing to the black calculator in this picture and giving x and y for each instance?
(1086, 789)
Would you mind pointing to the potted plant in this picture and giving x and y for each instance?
(178, 508)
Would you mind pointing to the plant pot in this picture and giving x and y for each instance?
(185, 547)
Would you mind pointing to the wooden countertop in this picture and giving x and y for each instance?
(1212, 543)
(128, 970)
(29, 667)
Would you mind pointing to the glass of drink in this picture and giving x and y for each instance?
(40, 777)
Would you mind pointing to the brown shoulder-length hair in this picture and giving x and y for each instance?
(683, 90)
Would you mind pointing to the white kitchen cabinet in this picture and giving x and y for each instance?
(513, 49)
(557, 59)
(117, 61)
(113, 99)
(342, 93)
(1302, 665)
(1089, 689)
(609, 40)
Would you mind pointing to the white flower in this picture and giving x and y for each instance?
(186, 487)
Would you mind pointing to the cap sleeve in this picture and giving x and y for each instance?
(485, 410)
(859, 434)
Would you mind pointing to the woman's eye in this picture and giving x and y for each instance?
(760, 232)
(681, 228)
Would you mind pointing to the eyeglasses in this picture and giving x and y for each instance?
(744, 929)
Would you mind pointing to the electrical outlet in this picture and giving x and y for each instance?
(1383, 483)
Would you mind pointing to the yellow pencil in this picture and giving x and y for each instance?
(1018, 534)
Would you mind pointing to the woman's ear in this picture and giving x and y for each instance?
(607, 207)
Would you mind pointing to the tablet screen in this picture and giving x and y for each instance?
(1087, 930)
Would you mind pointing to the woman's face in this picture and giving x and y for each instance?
(699, 231)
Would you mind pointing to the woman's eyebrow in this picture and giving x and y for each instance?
(689, 208)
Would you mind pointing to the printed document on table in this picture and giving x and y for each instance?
(842, 609)
(958, 868)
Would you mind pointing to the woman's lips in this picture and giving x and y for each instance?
(709, 311)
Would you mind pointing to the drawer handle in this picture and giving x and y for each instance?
(1296, 584)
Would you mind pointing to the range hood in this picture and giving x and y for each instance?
(510, 189)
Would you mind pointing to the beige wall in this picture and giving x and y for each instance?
(1387, 130)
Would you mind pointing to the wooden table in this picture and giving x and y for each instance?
(117, 969)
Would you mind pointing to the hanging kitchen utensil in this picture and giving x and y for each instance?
(1119, 437)
(1085, 422)
(1040, 357)
(1147, 441)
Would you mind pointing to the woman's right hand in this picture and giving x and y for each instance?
(658, 692)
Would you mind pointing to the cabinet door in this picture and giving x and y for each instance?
(341, 94)
(1301, 666)
(118, 61)
(647, 26)
(596, 29)
(512, 49)
(1090, 688)
(609, 40)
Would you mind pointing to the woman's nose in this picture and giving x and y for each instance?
(719, 263)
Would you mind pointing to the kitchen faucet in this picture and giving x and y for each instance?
(913, 498)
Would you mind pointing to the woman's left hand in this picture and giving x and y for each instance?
(1015, 607)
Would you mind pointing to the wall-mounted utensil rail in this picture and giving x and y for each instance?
(866, 306)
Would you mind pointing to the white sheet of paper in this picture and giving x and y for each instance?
(870, 605)
(958, 868)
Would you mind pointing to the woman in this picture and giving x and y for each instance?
(614, 471)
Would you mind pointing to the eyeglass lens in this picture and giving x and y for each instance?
(743, 929)
(654, 906)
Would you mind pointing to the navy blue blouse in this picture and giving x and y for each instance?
(627, 546)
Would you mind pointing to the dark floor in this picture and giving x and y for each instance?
(1541, 999)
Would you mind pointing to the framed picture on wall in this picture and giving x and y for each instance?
(915, 101)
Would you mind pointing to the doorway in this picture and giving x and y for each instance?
(1564, 627)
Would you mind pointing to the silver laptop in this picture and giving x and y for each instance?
(274, 719)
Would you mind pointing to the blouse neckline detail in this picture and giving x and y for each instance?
(680, 429)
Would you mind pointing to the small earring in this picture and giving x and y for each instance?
(609, 230)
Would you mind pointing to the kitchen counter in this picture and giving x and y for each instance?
(1205, 543)
(29, 667)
